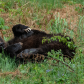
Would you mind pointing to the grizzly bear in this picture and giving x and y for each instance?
(29, 41)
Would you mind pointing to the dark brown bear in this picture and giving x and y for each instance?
(32, 43)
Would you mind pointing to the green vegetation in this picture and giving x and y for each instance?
(64, 40)
(58, 25)
(6, 64)
(80, 10)
(52, 71)
(48, 4)
(2, 24)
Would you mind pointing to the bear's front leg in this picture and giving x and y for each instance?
(13, 49)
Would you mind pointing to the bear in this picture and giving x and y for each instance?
(30, 43)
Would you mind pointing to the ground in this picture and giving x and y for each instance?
(68, 12)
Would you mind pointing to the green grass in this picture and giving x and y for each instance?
(58, 25)
(79, 1)
(2, 24)
(6, 63)
(49, 71)
(39, 4)
(43, 73)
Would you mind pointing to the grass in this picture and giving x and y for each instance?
(2, 24)
(6, 63)
(41, 4)
(49, 71)
(58, 25)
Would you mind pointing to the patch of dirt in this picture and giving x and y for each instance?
(69, 13)
(16, 72)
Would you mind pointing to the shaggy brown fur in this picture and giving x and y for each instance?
(32, 43)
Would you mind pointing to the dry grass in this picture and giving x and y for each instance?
(68, 12)
(16, 72)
